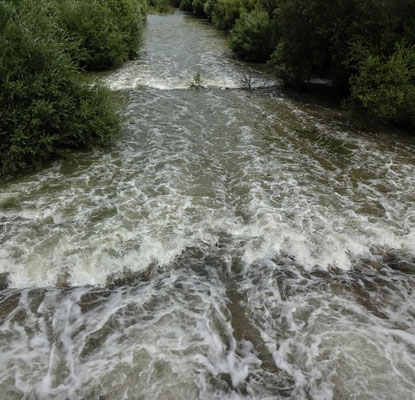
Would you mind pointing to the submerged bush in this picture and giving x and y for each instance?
(197, 82)
(44, 105)
(252, 36)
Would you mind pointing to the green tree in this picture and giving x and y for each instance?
(253, 36)
(385, 88)
(108, 32)
(44, 105)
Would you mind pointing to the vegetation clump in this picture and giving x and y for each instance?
(197, 81)
(365, 48)
(247, 81)
(46, 106)
(252, 36)
(385, 87)
(108, 32)
(160, 7)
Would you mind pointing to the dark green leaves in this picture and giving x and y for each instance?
(45, 105)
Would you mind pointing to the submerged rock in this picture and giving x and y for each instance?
(128, 277)
(406, 267)
(372, 267)
(63, 280)
(4, 281)
(400, 262)
(375, 265)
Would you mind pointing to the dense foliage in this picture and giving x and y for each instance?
(45, 104)
(160, 6)
(366, 48)
(108, 31)
(253, 35)
(385, 86)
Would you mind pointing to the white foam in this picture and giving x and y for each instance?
(235, 198)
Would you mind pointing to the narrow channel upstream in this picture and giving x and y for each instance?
(233, 244)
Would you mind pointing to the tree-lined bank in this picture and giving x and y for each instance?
(231, 245)
(46, 106)
(366, 48)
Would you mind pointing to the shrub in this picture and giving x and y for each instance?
(252, 36)
(319, 38)
(186, 5)
(44, 106)
(302, 47)
(108, 32)
(386, 88)
(198, 7)
(222, 13)
(197, 82)
(159, 6)
(209, 7)
(292, 74)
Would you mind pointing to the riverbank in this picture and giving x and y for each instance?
(232, 244)
(365, 49)
(46, 107)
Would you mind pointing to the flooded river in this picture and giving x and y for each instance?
(232, 244)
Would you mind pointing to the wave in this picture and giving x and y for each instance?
(124, 83)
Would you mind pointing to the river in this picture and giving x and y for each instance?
(232, 244)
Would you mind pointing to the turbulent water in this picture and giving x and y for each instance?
(233, 244)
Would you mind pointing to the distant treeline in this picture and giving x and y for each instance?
(365, 47)
(46, 104)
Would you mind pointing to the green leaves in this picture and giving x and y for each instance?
(385, 88)
(353, 43)
(107, 33)
(45, 106)
(253, 36)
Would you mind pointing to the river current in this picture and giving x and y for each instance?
(236, 242)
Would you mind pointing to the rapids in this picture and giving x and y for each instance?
(232, 244)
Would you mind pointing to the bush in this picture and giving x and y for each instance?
(302, 48)
(159, 6)
(352, 43)
(198, 7)
(44, 106)
(319, 38)
(223, 13)
(186, 5)
(386, 88)
(108, 32)
(252, 37)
